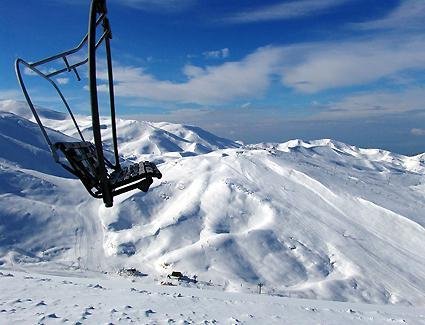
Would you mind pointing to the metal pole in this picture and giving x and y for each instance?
(104, 182)
(31, 105)
(111, 90)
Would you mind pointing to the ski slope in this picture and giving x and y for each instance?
(315, 220)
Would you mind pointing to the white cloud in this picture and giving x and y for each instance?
(318, 66)
(248, 78)
(62, 81)
(29, 72)
(418, 132)
(157, 5)
(409, 14)
(284, 11)
(192, 71)
(374, 103)
(217, 54)
(307, 68)
(10, 94)
(314, 67)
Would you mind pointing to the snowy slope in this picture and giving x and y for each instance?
(81, 298)
(320, 220)
(43, 207)
(22, 144)
(138, 139)
(308, 221)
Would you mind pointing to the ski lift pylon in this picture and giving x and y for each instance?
(86, 160)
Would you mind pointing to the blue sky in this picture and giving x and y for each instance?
(352, 70)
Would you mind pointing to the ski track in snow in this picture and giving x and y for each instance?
(314, 220)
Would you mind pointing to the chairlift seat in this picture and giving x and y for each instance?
(134, 172)
(84, 164)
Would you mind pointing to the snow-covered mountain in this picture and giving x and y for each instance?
(309, 221)
(319, 219)
(138, 139)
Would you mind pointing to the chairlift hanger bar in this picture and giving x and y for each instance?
(98, 6)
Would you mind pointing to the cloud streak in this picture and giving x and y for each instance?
(284, 11)
(319, 66)
(409, 14)
(417, 132)
(157, 5)
(217, 54)
(374, 104)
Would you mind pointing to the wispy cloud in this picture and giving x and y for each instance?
(193, 71)
(409, 14)
(248, 78)
(29, 72)
(157, 5)
(62, 81)
(217, 54)
(284, 11)
(318, 66)
(374, 104)
(417, 132)
(10, 94)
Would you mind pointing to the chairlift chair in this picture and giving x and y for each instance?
(85, 159)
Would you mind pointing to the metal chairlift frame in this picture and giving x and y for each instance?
(105, 189)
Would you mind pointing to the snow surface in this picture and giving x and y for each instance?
(107, 299)
(316, 220)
